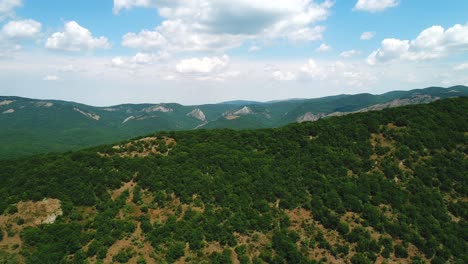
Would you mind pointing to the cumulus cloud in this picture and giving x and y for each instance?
(202, 65)
(375, 5)
(368, 35)
(8, 6)
(175, 36)
(51, 78)
(431, 43)
(349, 53)
(76, 38)
(15, 32)
(323, 48)
(21, 29)
(218, 25)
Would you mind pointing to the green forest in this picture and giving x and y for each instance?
(378, 187)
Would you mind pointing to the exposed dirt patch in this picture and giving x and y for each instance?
(187, 253)
(129, 186)
(354, 220)
(142, 148)
(380, 140)
(137, 243)
(35, 213)
(393, 126)
(29, 214)
(211, 247)
(303, 223)
(231, 117)
(299, 215)
(388, 212)
(12, 244)
(44, 104)
(6, 102)
(254, 241)
(170, 208)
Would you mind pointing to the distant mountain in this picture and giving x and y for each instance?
(29, 126)
(241, 102)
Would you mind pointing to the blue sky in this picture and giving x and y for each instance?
(203, 51)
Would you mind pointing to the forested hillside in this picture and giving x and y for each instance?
(29, 126)
(385, 186)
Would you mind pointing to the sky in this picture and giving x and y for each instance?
(207, 51)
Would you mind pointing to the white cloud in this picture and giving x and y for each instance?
(51, 78)
(375, 5)
(462, 67)
(313, 70)
(140, 59)
(21, 29)
(323, 48)
(128, 4)
(306, 34)
(431, 43)
(175, 36)
(219, 25)
(116, 86)
(202, 65)
(349, 53)
(145, 40)
(8, 6)
(284, 75)
(220, 77)
(368, 35)
(76, 38)
(15, 32)
(338, 73)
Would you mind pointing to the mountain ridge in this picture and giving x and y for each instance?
(31, 126)
(242, 102)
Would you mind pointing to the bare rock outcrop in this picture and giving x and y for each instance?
(158, 108)
(198, 114)
(89, 115)
(310, 117)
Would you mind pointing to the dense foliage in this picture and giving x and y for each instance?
(380, 185)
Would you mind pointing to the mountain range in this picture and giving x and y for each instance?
(30, 126)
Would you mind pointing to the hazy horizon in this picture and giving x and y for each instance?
(208, 103)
